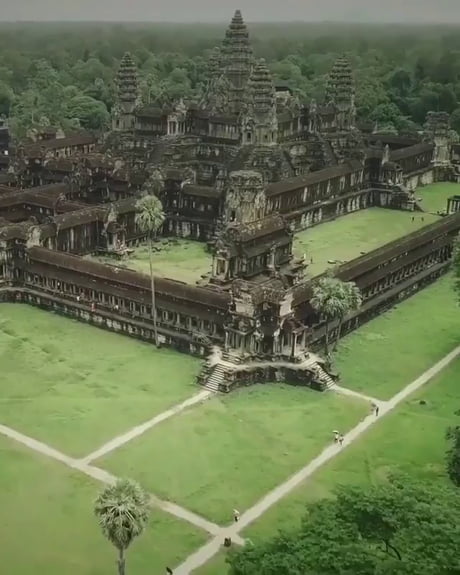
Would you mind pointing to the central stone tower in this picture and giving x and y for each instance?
(237, 59)
(259, 124)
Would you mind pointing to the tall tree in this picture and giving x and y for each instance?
(149, 219)
(329, 301)
(453, 455)
(352, 301)
(122, 510)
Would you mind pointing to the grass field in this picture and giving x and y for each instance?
(230, 451)
(389, 352)
(434, 197)
(411, 440)
(217, 565)
(48, 524)
(182, 260)
(75, 386)
(347, 237)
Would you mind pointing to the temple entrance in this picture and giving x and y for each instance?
(267, 344)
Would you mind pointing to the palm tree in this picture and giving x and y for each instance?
(149, 219)
(329, 301)
(352, 301)
(122, 510)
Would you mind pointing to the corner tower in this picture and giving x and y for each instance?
(437, 129)
(127, 95)
(340, 93)
(237, 60)
(259, 122)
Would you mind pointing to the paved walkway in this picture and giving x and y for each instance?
(108, 478)
(352, 393)
(205, 553)
(140, 429)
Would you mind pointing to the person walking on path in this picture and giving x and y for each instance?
(341, 439)
(336, 436)
(169, 571)
(375, 409)
(236, 515)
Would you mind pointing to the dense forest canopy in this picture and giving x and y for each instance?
(62, 74)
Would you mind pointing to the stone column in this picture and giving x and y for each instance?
(293, 344)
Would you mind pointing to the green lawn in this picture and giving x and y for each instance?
(48, 524)
(230, 451)
(434, 197)
(217, 565)
(410, 440)
(389, 352)
(182, 260)
(347, 237)
(75, 386)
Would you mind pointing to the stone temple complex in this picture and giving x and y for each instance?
(241, 169)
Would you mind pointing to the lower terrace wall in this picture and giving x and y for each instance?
(55, 282)
(418, 179)
(270, 374)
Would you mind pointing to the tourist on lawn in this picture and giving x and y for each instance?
(236, 515)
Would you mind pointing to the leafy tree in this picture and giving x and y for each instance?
(149, 219)
(386, 114)
(399, 527)
(453, 455)
(352, 301)
(122, 511)
(6, 98)
(90, 113)
(329, 301)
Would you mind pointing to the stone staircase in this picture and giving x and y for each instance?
(323, 378)
(215, 378)
(231, 357)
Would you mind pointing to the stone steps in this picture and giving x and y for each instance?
(231, 358)
(215, 379)
(325, 379)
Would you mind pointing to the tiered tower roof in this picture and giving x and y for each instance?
(215, 64)
(340, 86)
(127, 85)
(261, 89)
(238, 58)
(437, 123)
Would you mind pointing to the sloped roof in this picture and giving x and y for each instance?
(312, 178)
(207, 297)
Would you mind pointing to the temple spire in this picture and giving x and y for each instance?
(127, 94)
(237, 59)
(340, 92)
